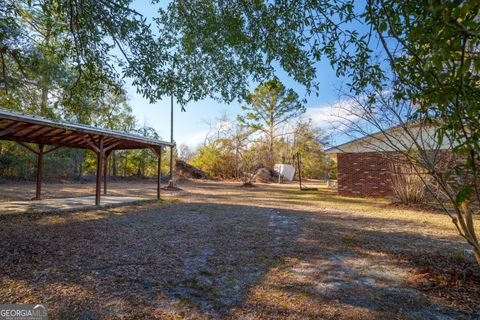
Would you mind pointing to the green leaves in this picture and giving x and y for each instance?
(60, 44)
(464, 194)
(229, 44)
(199, 48)
(268, 107)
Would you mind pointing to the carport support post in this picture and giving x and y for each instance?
(38, 193)
(105, 171)
(158, 152)
(100, 155)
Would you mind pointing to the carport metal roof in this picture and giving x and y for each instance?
(23, 129)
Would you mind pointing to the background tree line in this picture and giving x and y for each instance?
(269, 131)
(18, 163)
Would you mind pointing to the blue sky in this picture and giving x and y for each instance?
(191, 126)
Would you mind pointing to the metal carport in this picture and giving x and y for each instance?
(27, 129)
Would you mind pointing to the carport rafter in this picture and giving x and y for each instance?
(13, 129)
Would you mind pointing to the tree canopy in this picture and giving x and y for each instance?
(193, 49)
(269, 106)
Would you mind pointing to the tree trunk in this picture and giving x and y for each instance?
(271, 157)
(142, 164)
(476, 254)
(81, 155)
(125, 162)
(74, 164)
(44, 102)
(236, 163)
(114, 164)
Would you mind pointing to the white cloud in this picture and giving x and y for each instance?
(332, 119)
(333, 116)
(194, 139)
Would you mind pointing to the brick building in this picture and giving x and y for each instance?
(363, 174)
(364, 165)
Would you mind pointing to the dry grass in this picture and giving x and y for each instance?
(217, 250)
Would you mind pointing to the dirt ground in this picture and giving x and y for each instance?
(217, 250)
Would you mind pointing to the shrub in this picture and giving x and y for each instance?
(407, 185)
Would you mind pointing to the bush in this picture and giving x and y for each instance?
(407, 185)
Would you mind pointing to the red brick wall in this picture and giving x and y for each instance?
(367, 174)
(363, 175)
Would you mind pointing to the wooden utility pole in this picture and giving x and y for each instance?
(171, 139)
(299, 168)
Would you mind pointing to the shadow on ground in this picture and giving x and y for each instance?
(214, 260)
